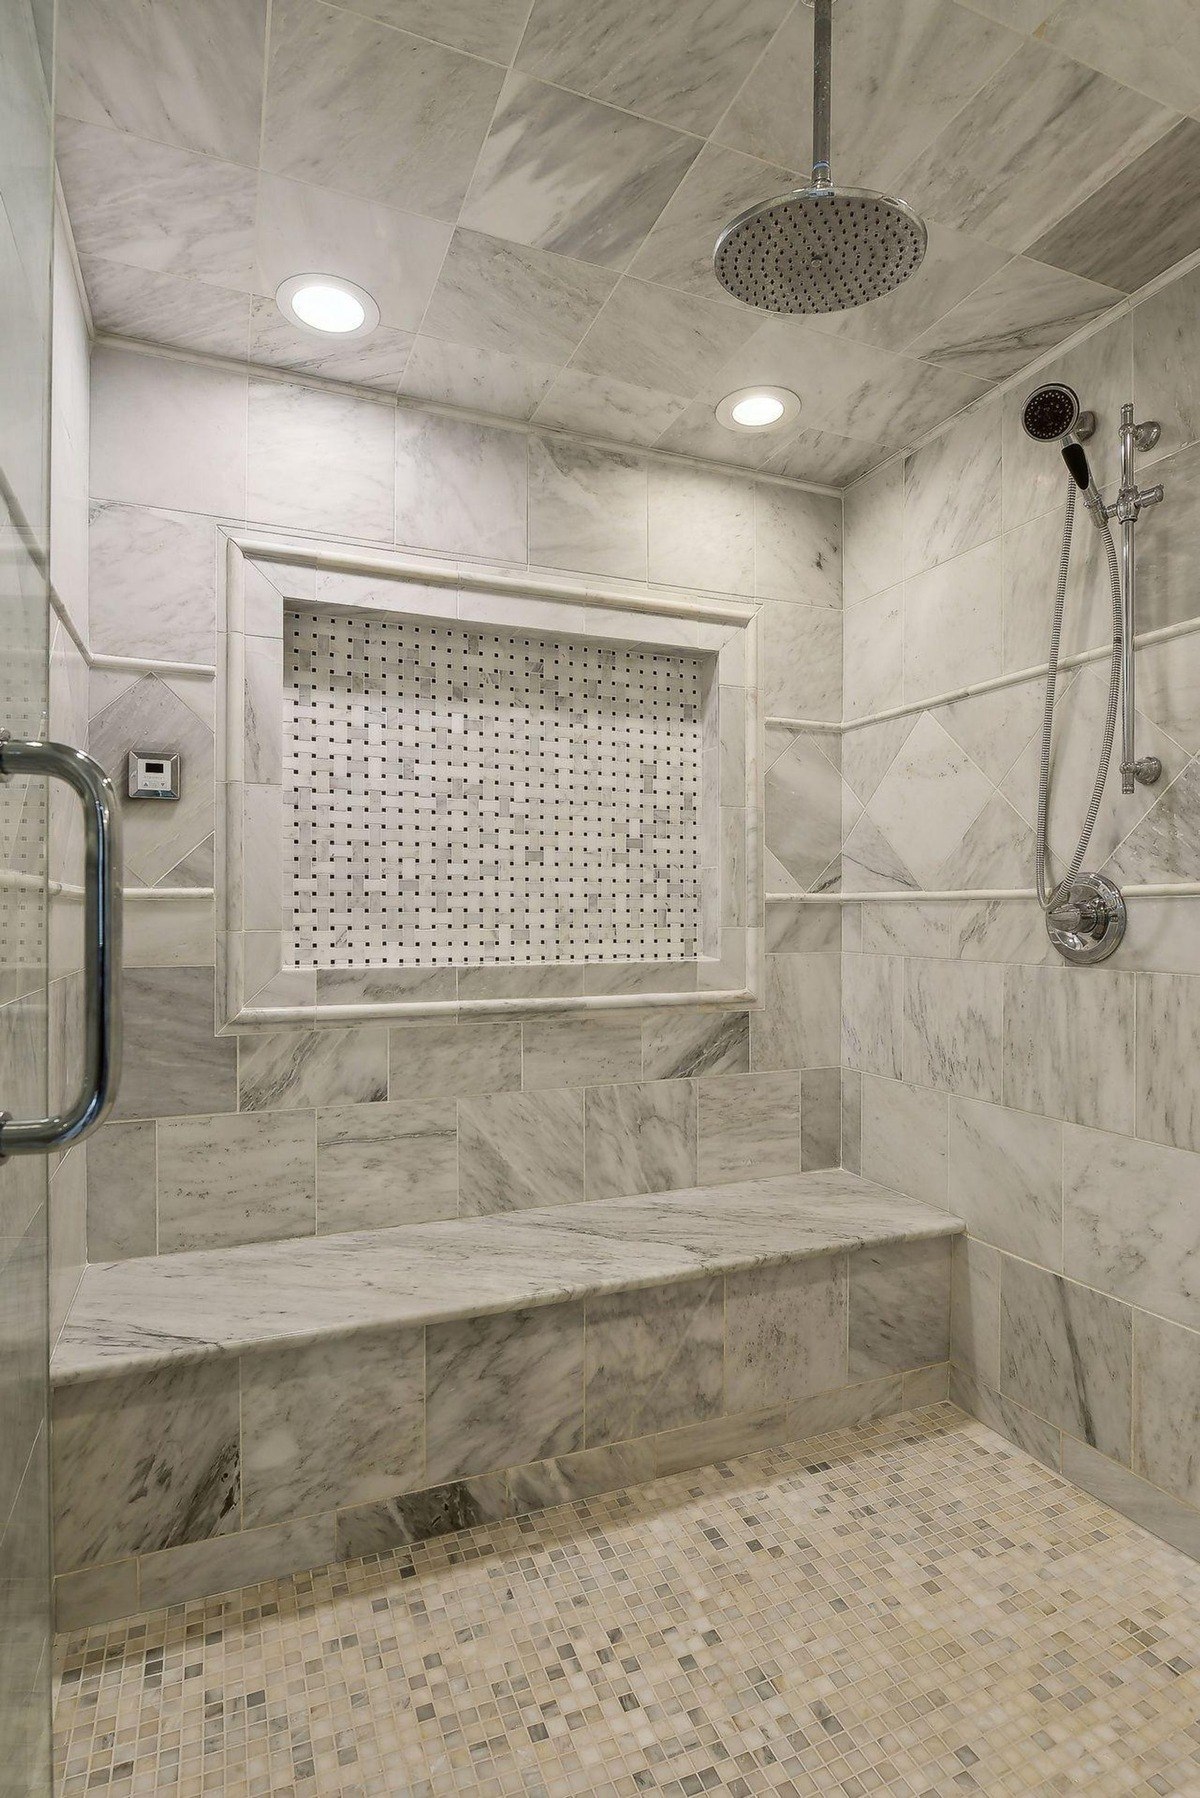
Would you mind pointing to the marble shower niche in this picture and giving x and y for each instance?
(449, 791)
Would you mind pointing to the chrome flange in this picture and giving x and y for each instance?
(1089, 921)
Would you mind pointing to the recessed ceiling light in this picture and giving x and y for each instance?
(758, 409)
(328, 305)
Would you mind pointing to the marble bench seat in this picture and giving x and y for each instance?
(227, 1415)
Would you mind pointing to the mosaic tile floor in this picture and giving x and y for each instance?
(911, 1608)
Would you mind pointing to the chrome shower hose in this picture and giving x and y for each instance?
(1050, 899)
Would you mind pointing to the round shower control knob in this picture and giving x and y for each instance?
(1089, 921)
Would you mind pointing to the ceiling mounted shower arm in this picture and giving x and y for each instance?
(822, 171)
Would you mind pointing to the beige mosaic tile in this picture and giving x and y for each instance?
(910, 1608)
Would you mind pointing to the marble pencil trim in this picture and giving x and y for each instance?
(221, 1449)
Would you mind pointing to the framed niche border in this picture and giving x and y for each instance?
(263, 575)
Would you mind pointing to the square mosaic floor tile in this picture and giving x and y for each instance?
(910, 1608)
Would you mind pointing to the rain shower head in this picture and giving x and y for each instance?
(819, 248)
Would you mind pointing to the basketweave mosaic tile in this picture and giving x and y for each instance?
(457, 794)
(912, 1609)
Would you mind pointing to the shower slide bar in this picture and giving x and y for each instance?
(102, 946)
(1126, 509)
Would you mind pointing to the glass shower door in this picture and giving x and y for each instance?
(26, 221)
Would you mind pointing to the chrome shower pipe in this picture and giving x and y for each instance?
(822, 175)
(1130, 499)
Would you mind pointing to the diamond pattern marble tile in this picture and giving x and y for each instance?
(910, 1608)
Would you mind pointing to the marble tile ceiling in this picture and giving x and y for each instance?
(532, 194)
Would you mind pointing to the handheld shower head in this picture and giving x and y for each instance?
(1052, 413)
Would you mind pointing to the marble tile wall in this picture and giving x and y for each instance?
(237, 1138)
(1056, 1110)
(537, 226)
(294, 1456)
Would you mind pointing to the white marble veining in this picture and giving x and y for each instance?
(141, 455)
(567, 174)
(183, 75)
(477, 379)
(235, 1177)
(1024, 309)
(873, 676)
(975, 1311)
(514, 299)
(639, 1137)
(899, 1308)
(652, 337)
(320, 461)
(1128, 231)
(145, 1462)
(1068, 1045)
(385, 1164)
(873, 1013)
(156, 837)
(677, 252)
(340, 1424)
(749, 1126)
(654, 59)
(503, 1389)
(953, 1023)
(802, 662)
(952, 491)
(873, 523)
(785, 1333)
(152, 589)
(520, 1149)
(654, 1360)
(291, 1070)
(158, 208)
(178, 310)
(1041, 135)
(952, 624)
(904, 1138)
(803, 812)
(586, 510)
(1168, 1041)
(377, 360)
(460, 487)
(1168, 1419)
(701, 531)
(1066, 1352)
(602, 406)
(410, 133)
(797, 1025)
(395, 255)
(192, 1306)
(1006, 1179)
(1130, 1221)
(1165, 375)
(928, 798)
(798, 546)
(898, 79)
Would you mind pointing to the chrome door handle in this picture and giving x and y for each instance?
(102, 946)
